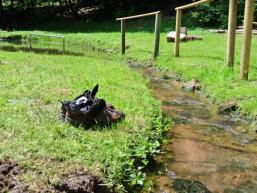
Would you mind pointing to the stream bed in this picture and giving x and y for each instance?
(204, 152)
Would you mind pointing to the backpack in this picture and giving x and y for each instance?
(88, 110)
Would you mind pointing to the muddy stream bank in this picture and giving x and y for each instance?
(205, 152)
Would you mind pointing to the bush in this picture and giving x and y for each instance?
(215, 14)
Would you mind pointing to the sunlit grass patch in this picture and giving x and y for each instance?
(32, 134)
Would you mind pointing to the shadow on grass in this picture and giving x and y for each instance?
(40, 51)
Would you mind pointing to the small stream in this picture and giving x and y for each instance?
(205, 152)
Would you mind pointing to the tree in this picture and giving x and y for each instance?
(215, 14)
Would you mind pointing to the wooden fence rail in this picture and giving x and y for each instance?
(156, 30)
(138, 16)
(193, 4)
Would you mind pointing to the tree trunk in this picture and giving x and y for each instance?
(60, 3)
(66, 4)
(33, 3)
(72, 8)
(12, 4)
(1, 14)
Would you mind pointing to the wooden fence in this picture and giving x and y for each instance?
(49, 36)
(178, 22)
(156, 30)
(247, 34)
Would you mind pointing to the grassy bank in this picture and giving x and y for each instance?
(32, 135)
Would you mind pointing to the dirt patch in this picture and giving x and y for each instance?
(81, 181)
(9, 181)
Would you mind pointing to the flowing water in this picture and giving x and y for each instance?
(205, 152)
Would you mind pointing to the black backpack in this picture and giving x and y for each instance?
(88, 110)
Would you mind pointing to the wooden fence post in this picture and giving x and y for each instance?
(231, 32)
(63, 45)
(157, 35)
(30, 41)
(178, 27)
(247, 36)
(123, 41)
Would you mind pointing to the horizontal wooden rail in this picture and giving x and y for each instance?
(49, 36)
(193, 4)
(138, 16)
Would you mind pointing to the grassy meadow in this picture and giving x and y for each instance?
(32, 83)
(32, 134)
(202, 60)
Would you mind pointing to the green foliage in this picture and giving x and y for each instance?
(215, 14)
(25, 4)
(211, 15)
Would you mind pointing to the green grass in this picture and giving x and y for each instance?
(32, 134)
(203, 60)
(32, 84)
